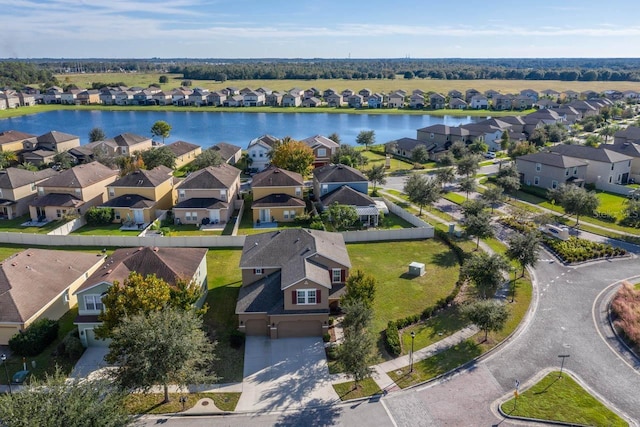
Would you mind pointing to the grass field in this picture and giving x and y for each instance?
(366, 387)
(151, 403)
(556, 398)
(376, 85)
(104, 230)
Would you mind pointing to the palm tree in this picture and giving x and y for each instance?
(7, 158)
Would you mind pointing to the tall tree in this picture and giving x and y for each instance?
(479, 225)
(485, 271)
(422, 190)
(340, 216)
(575, 200)
(473, 207)
(335, 138)
(488, 315)
(64, 160)
(210, 157)
(420, 154)
(159, 156)
(524, 249)
(376, 176)
(508, 178)
(467, 185)
(355, 354)
(366, 138)
(493, 194)
(348, 155)
(445, 175)
(140, 294)
(161, 347)
(293, 156)
(58, 401)
(360, 287)
(505, 140)
(468, 165)
(96, 134)
(161, 129)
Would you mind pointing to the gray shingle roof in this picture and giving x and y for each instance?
(552, 159)
(628, 149)
(129, 139)
(276, 177)
(27, 284)
(277, 200)
(55, 137)
(13, 136)
(181, 147)
(134, 201)
(15, 178)
(56, 199)
(80, 176)
(202, 203)
(346, 195)
(338, 173)
(144, 178)
(211, 177)
(226, 150)
(590, 153)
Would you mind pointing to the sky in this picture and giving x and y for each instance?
(319, 28)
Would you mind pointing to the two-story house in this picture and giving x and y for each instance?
(169, 264)
(291, 100)
(73, 191)
(331, 177)
(136, 197)
(253, 99)
(185, 152)
(30, 290)
(230, 153)
(290, 279)
(207, 196)
(605, 166)
(18, 187)
(277, 196)
(323, 149)
(437, 101)
(12, 140)
(549, 170)
(259, 149)
(127, 143)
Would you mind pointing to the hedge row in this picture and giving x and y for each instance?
(35, 338)
(392, 334)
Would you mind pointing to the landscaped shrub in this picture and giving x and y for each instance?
(73, 347)
(626, 309)
(326, 337)
(99, 216)
(332, 352)
(236, 339)
(317, 225)
(392, 339)
(579, 250)
(35, 338)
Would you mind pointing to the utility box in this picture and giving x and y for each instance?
(416, 269)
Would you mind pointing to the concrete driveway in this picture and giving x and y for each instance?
(289, 373)
(91, 363)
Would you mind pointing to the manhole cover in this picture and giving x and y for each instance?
(399, 372)
(205, 403)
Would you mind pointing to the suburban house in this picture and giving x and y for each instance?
(396, 100)
(355, 101)
(207, 196)
(290, 280)
(311, 102)
(331, 177)
(323, 149)
(502, 102)
(52, 95)
(52, 141)
(470, 93)
(169, 264)
(291, 100)
(334, 100)
(136, 197)
(216, 98)
(549, 170)
(12, 140)
(230, 153)
(73, 191)
(376, 100)
(38, 157)
(88, 97)
(632, 150)
(530, 93)
(185, 152)
(365, 93)
(479, 102)
(127, 144)
(259, 149)
(437, 101)
(454, 94)
(458, 104)
(18, 189)
(605, 166)
(404, 147)
(29, 290)
(630, 134)
(436, 134)
(416, 100)
(253, 99)
(364, 205)
(273, 99)
(234, 101)
(277, 196)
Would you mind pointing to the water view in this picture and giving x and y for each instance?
(208, 128)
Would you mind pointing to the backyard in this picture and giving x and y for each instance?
(15, 225)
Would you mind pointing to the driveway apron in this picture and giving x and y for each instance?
(281, 374)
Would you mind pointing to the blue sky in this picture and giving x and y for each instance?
(319, 28)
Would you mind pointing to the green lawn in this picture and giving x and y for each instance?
(455, 198)
(375, 159)
(104, 230)
(556, 398)
(224, 280)
(14, 225)
(433, 330)
(151, 403)
(366, 387)
(398, 294)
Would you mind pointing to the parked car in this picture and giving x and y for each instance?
(20, 377)
(490, 155)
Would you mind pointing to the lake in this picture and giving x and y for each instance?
(209, 128)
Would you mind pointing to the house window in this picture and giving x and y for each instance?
(431, 136)
(223, 195)
(306, 296)
(336, 275)
(261, 154)
(575, 171)
(610, 179)
(325, 188)
(322, 152)
(258, 272)
(78, 192)
(181, 194)
(112, 192)
(65, 297)
(298, 191)
(566, 173)
(612, 166)
(538, 167)
(59, 213)
(33, 186)
(536, 180)
(117, 215)
(285, 214)
(93, 302)
(554, 184)
(40, 191)
(0, 192)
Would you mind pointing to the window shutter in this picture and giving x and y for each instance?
(318, 300)
(294, 297)
(343, 273)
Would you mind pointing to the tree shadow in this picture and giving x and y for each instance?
(445, 259)
(315, 415)
(556, 379)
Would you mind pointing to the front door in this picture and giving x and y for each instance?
(265, 215)
(138, 216)
(214, 216)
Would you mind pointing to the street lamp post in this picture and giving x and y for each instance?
(413, 336)
(3, 357)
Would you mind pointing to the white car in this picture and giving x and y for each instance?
(490, 155)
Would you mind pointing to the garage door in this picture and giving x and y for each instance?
(92, 341)
(6, 332)
(256, 327)
(308, 328)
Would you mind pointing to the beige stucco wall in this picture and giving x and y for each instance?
(162, 194)
(142, 146)
(225, 215)
(187, 157)
(11, 146)
(278, 213)
(307, 284)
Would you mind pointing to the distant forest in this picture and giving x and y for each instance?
(16, 73)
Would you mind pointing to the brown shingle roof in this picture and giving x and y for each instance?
(55, 137)
(80, 176)
(338, 173)
(129, 139)
(9, 136)
(277, 200)
(168, 264)
(276, 177)
(15, 178)
(226, 150)
(27, 284)
(144, 178)
(180, 148)
(221, 176)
